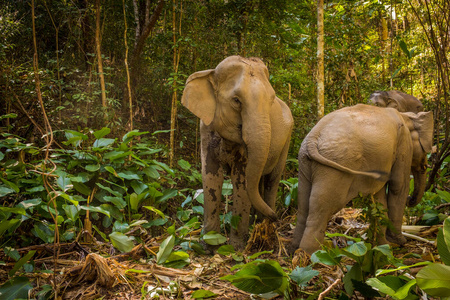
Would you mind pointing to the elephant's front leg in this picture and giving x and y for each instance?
(212, 175)
(241, 203)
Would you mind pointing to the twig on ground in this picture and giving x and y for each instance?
(324, 293)
(415, 237)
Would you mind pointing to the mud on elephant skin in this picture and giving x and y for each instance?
(360, 149)
(396, 99)
(245, 132)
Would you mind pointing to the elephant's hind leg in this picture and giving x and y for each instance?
(328, 196)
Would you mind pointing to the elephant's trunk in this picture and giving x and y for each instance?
(256, 133)
(420, 180)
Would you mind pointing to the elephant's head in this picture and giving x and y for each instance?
(396, 99)
(235, 100)
(421, 128)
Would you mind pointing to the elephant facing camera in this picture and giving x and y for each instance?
(245, 131)
(360, 150)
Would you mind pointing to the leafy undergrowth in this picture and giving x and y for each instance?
(95, 270)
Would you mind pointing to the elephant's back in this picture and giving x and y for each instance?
(358, 137)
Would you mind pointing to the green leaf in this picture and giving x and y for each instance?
(443, 249)
(4, 190)
(21, 262)
(434, 279)
(155, 210)
(357, 249)
(386, 271)
(16, 288)
(101, 143)
(444, 195)
(7, 224)
(63, 182)
(117, 201)
(354, 274)
(167, 194)
(151, 172)
(202, 294)
(14, 210)
(129, 175)
(184, 164)
(322, 256)
(92, 168)
(226, 250)
(303, 275)
(121, 241)
(96, 209)
(127, 137)
(259, 278)
(214, 238)
(81, 188)
(102, 132)
(10, 184)
(165, 249)
(404, 48)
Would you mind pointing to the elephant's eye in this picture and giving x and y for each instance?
(236, 101)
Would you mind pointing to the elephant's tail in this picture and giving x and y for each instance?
(314, 154)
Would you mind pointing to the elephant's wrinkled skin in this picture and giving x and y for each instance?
(245, 131)
(361, 149)
(396, 99)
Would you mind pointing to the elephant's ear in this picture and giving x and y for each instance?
(423, 124)
(199, 95)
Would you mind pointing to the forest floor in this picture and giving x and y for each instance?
(94, 270)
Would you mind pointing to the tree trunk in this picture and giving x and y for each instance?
(99, 54)
(320, 61)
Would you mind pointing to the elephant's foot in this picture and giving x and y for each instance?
(239, 242)
(292, 247)
(396, 238)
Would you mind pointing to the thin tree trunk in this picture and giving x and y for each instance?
(176, 61)
(99, 54)
(130, 99)
(320, 62)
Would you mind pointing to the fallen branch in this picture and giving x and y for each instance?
(324, 293)
(418, 238)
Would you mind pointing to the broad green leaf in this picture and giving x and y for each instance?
(303, 275)
(138, 186)
(16, 288)
(71, 211)
(332, 235)
(322, 256)
(102, 132)
(434, 279)
(258, 254)
(68, 198)
(127, 137)
(380, 286)
(151, 172)
(177, 255)
(81, 188)
(100, 143)
(446, 232)
(10, 184)
(259, 278)
(134, 201)
(184, 164)
(444, 195)
(121, 241)
(403, 292)
(117, 201)
(92, 168)
(7, 224)
(404, 48)
(167, 194)
(155, 210)
(443, 249)
(202, 294)
(214, 238)
(226, 250)
(14, 210)
(353, 275)
(129, 175)
(63, 182)
(4, 190)
(96, 209)
(106, 188)
(113, 155)
(21, 262)
(165, 249)
(30, 203)
(357, 249)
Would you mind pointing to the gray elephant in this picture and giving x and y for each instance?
(245, 131)
(396, 99)
(360, 149)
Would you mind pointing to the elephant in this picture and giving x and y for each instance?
(245, 131)
(360, 150)
(396, 99)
